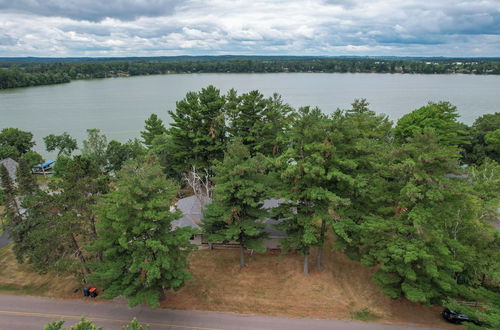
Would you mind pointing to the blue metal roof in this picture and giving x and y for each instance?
(46, 164)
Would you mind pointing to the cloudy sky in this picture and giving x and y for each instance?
(59, 28)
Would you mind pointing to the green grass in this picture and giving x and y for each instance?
(364, 314)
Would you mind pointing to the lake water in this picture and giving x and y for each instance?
(119, 106)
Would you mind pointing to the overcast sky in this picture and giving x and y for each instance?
(60, 28)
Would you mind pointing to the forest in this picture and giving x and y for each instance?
(416, 200)
(33, 72)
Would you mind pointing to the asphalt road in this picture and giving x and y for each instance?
(22, 312)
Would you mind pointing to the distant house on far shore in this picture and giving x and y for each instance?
(11, 165)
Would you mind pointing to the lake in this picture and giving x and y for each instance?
(119, 106)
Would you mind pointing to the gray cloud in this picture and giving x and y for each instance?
(296, 27)
(93, 10)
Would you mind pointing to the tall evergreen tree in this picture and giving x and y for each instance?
(154, 127)
(55, 227)
(424, 248)
(236, 212)
(257, 121)
(142, 254)
(307, 168)
(198, 129)
(365, 143)
(9, 194)
(25, 179)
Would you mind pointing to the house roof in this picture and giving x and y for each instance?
(192, 210)
(11, 165)
(44, 165)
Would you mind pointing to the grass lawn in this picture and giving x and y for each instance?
(271, 284)
(20, 279)
(274, 285)
(2, 208)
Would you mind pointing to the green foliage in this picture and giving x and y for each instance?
(9, 192)
(135, 325)
(61, 165)
(436, 237)
(441, 116)
(25, 180)
(95, 146)
(14, 137)
(242, 184)
(364, 314)
(33, 158)
(163, 148)
(484, 138)
(142, 253)
(154, 127)
(257, 122)
(55, 226)
(8, 152)
(64, 143)
(32, 72)
(118, 153)
(307, 169)
(198, 130)
(85, 324)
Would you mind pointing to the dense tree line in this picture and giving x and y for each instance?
(415, 200)
(23, 74)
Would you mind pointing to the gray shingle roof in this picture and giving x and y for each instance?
(11, 166)
(191, 209)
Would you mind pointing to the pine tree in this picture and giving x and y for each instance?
(256, 121)
(142, 254)
(198, 130)
(434, 233)
(307, 169)
(154, 127)
(9, 194)
(26, 181)
(236, 212)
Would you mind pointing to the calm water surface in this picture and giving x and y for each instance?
(119, 106)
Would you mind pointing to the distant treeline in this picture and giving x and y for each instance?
(25, 72)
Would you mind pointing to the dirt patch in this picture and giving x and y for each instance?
(274, 285)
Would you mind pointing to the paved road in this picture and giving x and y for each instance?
(22, 312)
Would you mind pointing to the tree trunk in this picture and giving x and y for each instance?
(94, 232)
(242, 256)
(319, 254)
(306, 262)
(79, 254)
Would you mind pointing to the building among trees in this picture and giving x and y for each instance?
(11, 165)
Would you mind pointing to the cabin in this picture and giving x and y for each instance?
(11, 165)
(192, 213)
(192, 216)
